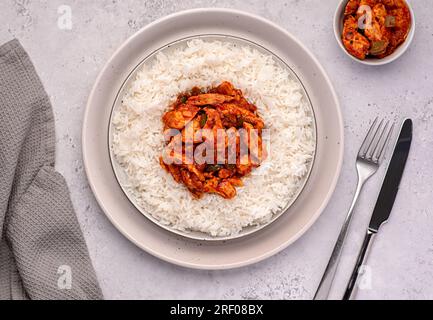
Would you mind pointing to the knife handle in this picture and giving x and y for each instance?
(362, 257)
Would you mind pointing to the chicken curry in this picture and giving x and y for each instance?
(375, 28)
(213, 125)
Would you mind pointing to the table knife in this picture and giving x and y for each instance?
(385, 200)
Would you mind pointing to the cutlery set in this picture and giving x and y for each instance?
(367, 163)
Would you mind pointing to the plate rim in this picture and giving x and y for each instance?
(268, 253)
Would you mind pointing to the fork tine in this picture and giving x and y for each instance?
(369, 153)
(384, 143)
(379, 140)
(366, 142)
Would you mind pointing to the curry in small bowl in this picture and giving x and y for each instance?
(375, 29)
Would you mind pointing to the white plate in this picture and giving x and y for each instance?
(221, 254)
(122, 176)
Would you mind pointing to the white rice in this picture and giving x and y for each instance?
(138, 139)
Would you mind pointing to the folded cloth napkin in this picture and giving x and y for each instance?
(43, 254)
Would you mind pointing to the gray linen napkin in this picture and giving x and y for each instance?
(42, 250)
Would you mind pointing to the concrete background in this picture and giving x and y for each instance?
(68, 62)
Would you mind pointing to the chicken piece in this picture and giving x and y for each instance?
(195, 170)
(222, 187)
(374, 30)
(248, 116)
(225, 173)
(209, 98)
(208, 175)
(244, 104)
(370, 3)
(174, 170)
(389, 3)
(355, 43)
(402, 18)
(400, 30)
(227, 88)
(351, 7)
(244, 169)
(192, 182)
(226, 189)
(234, 116)
(392, 4)
(213, 119)
(236, 182)
(195, 91)
(229, 117)
(178, 118)
(379, 13)
(377, 32)
(191, 132)
(397, 38)
(211, 185)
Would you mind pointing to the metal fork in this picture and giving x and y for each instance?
(367, 163)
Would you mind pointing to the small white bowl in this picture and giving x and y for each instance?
(338, 28)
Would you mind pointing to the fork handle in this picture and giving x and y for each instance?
(362, 257)
(322, 292)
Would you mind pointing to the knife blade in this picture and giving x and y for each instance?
(385, 200)
(391, 182)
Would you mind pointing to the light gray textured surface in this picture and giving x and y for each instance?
(401, 263)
